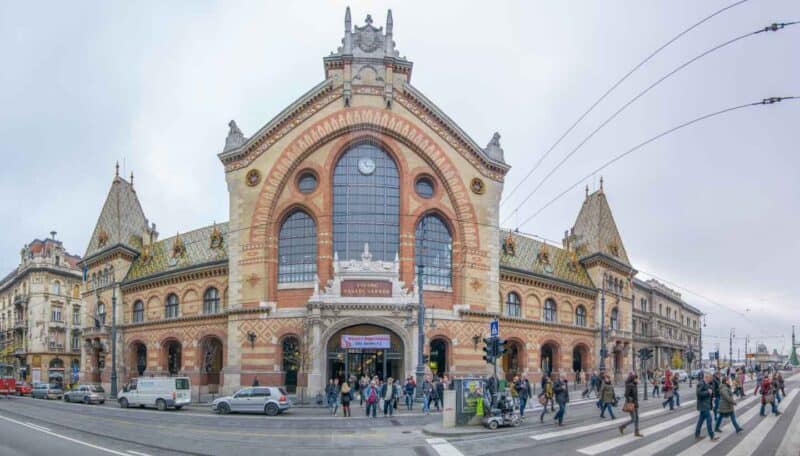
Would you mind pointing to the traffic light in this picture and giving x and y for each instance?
(500, 349)
(489, 350)
(645, 353)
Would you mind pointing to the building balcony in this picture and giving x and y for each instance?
(58, 324)
(20, 300)
(21, 324)
(55, 347)
(618, 333)
(75, 349)
(19, 351)
(94, 331)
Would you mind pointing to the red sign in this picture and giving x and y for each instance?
(366, 289)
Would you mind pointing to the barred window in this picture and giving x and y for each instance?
(614, 318)
(513, 306)
(171, 309)
(434, 251)
(138, 311)
(580, 316)
(366, 204)
(211, 301)
(549, 310)
(101, 313)
(297, 249)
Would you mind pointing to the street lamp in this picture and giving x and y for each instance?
(420, 315)
(603, 325)
(114, 340)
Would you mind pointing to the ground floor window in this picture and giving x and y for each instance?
(365, 350)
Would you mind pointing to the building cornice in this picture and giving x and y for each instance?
(52, 269)
(194, 272)
(537, 280)
(608, 261)
(110, 252)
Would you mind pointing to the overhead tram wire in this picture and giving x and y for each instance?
(611, 89)
(766, 101)
(771, 28)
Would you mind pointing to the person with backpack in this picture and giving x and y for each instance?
(608, 398)
(767, 396)
(562, 398)
(389, 394)
(408, 392)
(347, 396)
(332, 393)
(434, 398)
(676, 384)
(371, 398)
(545, 396)
(668, 392)
(427, 387)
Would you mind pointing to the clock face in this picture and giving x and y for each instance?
(366, 166)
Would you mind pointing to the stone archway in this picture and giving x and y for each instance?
(382, 356)
(512, 359)
(548, 357)
(580, 360)
(210, 362)
(437, 361)
(172, 356)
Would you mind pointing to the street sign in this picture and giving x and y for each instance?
(494, 328)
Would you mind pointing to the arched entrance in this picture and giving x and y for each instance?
(438, 357)
(618, 359)
(55, 372)
(549, 358)
(138, 358)
(291, 362)
(172, 351)
(580, 360)
(210, 364)
(512, 359)
(369, 350)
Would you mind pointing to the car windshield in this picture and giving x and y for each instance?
(182, 383)
(97, 389)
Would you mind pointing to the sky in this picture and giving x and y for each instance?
(712, 208)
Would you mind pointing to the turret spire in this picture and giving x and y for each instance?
(348, 23)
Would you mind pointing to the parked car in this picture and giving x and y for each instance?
(46, 391)
(23, 389)
(682, 375)
(86, 394)
(270, 400)
(158, 392)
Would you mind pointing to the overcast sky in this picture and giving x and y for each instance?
(712, 208)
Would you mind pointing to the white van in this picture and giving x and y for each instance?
(158, 392)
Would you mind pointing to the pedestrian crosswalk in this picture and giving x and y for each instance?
(757, 435)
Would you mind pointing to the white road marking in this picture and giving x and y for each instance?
(444, 448)
(757, 435)
(41, 428)
(604, 424)
(137, 453)
(69, 439)
(791, 442)
(673, 437)
(628, 438)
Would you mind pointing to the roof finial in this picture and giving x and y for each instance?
(368, 20)
(587, 190)
(389, 22)
(601, 184)
(131, 178)
(117, 171)
(348, 23)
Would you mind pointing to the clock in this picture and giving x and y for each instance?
(366, 166)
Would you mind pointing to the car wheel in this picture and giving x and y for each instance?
(102, 402)
(123, 403)
(87, 400)
(493, 425)
(178, 407)
(66, 398)
(223, 408)
(271, 409)
(161, 405)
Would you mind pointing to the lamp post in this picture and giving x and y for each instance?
(730, 349)
(420, 317)
(114, 340)
(603, 326)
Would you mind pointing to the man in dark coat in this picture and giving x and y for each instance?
(716, 381)
(704, 393)
(562, 397)
(632, 396)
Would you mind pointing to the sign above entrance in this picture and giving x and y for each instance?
(376, 341)
(366, 289)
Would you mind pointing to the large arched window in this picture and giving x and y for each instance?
(366, 204)
(434, 251)
(513, 306)
(297, 249)
(580, 316)
(101, 313)
(171, 309)
(549, 310)
(614, 318)
(138, 311)
(211, 301)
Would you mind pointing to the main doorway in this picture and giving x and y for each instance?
(365, 350)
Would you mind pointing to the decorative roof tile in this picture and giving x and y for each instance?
(121, 221)
(595, 230)
(529, 255)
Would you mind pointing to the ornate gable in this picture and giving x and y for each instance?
(595, 230)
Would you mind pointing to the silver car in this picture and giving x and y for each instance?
(87, 394)
(260, 399)
(46, 391)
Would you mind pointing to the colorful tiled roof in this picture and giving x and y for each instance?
(121, 221)
(595, 230)
(560, 264)
(164, 257)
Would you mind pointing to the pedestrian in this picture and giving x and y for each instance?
(347, 396)
(440, 386)
(408, 392)
(768, 396)
(362, 386)
(704, 394)
(562, 397)
(676, 383)
(588, 381)
(726, 406)
(632, 404)
(389, 394)
(332, 392)
(716, 381)
(523, 388)
(371, 394)
(776, 387)
(255, 382)
(655, 381)
(608, 398)
(781, 384)
(668, 392)
(514, 392)
(427, 387)
(545, 396)
(436, 385)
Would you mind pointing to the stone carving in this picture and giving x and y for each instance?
(178, 247)
(102, 238)
(509, 245)
(252, 178)
(216, 237)
(235, 137)
(493, 149)
(368, 38)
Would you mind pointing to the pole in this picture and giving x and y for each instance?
(645, 381)
(114, 341)
(730, 349)
(420, 329)
(746, 361)
(603, 327)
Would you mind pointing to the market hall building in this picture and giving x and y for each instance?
(336, 205)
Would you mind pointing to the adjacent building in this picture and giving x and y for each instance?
(41, 313)
(663, 321)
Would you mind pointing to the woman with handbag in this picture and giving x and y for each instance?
(347, 396)
(768, 396)
(726, 405)
(668, 393)
(545, 396)
(631, 404)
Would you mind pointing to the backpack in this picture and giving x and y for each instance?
(372, 397)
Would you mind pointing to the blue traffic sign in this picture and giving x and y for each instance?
(494, 328)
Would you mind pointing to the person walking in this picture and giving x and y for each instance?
(255, 382)
(371, 394)
(776, 387)
(514, 392)
(389, 395)
(676, 383)
(363, 383)
(346, 396)
(781, 384)
(523, 388)
(656, 382)
(332, 392)
(587, 379)
(427, 387)
(632, 404)
(545, 396)
(408, 392)
(668, 392)
(704, 394)
(608, 398)
(726, 406)
(715, 383)
(562, 397)
(768, 396)
(439, 386)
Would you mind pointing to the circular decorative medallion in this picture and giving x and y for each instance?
(253, 177)
(366, 166)
(477, 186)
